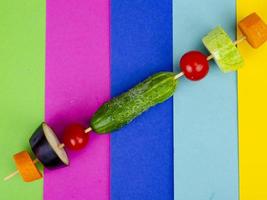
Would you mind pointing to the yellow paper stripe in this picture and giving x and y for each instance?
(252, 105)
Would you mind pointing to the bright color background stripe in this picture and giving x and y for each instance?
(22, 57)
(78, 46)
(205, 112)
(77, 83)
(252, 96)
(142, 152)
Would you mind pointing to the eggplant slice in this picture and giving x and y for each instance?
(45, 146)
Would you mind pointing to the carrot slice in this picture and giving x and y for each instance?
(254, 29)
(26, 167)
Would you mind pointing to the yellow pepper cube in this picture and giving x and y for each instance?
(254, 29)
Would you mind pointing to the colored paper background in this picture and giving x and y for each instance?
(22, 57)
(205, 112)
(252, 98)
(141, 152)
(146, 37)
(77, 83)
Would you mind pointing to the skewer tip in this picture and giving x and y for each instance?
(11, 175)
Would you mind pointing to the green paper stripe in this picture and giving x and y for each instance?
(22, 60)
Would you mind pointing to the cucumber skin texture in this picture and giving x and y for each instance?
(122, 109)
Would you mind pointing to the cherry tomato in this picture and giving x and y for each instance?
(194, 64)
(74, 137)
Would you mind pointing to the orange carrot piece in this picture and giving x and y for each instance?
(254, 29)
(26, 167)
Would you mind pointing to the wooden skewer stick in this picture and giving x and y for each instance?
(178, 75)
(240, 40)
(88, 130)
(16, 172)
(210, 57)
(62, 145)
(235, 43)
(11, 175)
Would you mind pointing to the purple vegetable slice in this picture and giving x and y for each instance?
(45, 146)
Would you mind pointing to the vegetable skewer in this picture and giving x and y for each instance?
(89, 129)
(120, 110)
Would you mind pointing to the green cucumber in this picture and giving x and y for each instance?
(122, 109)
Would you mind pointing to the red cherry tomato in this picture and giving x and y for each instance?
(194, 64)
(74, 137)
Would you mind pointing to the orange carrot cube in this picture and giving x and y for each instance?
(26, 167)
(254, 29)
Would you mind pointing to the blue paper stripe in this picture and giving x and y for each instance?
(142, 152)
(205, 112)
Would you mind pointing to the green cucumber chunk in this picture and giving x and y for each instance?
(221, 47)
(122, 109)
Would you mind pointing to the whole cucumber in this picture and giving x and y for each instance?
(122, 109)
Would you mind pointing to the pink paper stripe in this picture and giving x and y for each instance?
(77, 83)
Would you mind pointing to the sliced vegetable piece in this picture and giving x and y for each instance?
(26, 167)
(223, 50)
(46, 147)
(255, 30)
